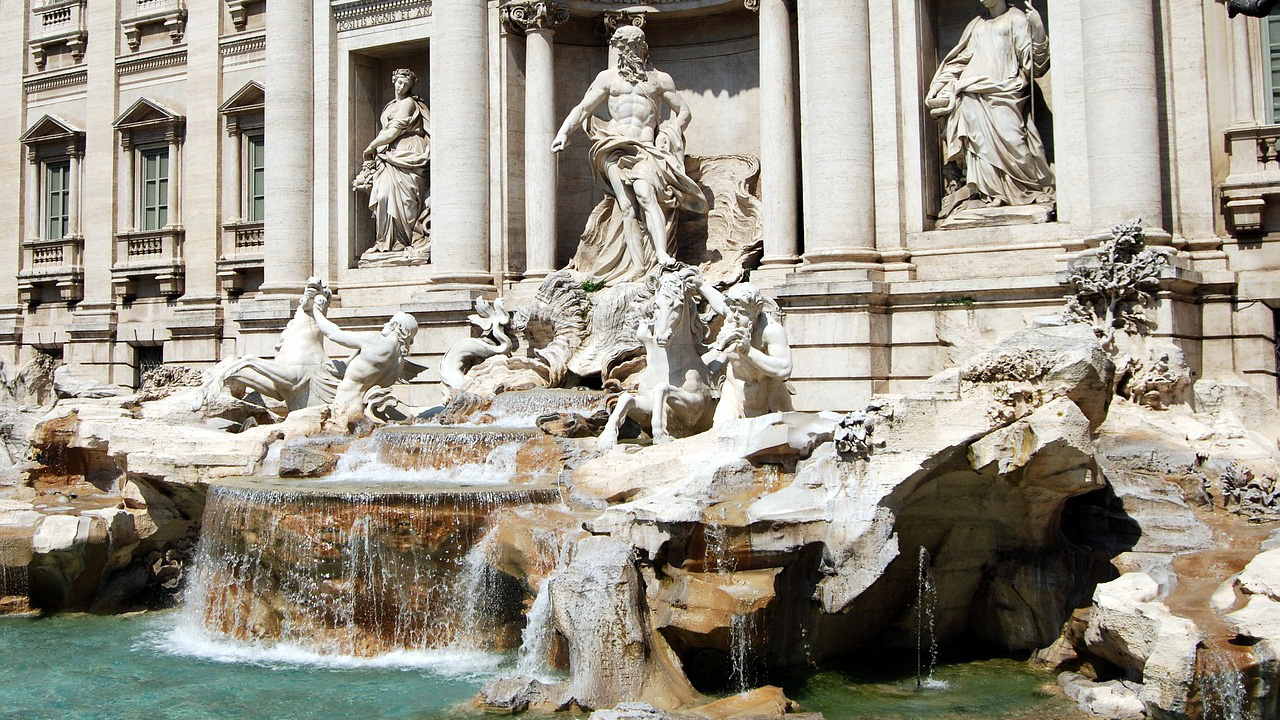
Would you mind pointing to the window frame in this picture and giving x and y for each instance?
(47, 168)
(161, 207)
(255, 203)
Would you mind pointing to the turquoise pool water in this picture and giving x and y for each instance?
(151, 667)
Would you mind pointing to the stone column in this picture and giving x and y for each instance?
(34, 202)
(1122, 114)
(1242, 74)
(460, 144)
(73, 196)
(538, 19)
(236, 141)
(128, 185)
(836, 142)
(778, 166)
(172, 196)
(289, 116)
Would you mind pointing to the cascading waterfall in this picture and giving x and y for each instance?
(523, 408)
(343, 572)
(1222, 688)
(743, 634)
(535, 642)
(452, 456)
(926, 605)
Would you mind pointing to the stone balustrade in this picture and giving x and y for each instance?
(58, 262)
(152, 254)
(242, 254)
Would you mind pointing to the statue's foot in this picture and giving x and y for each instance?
(662, 439)
(608, 441)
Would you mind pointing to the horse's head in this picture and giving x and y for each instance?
(673, 304)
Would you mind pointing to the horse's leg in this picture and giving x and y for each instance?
(268, 378)
(217, 379)
(609, 437)
(658, 398)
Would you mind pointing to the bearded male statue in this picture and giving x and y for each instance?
(637, 159)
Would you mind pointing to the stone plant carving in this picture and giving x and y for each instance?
(1246, 494)
(1156, 382)
(674, 396)
(636, 159)
(300, 374)
(981, 94)
(855, 435)
(1112, 284)
(394, 175)
(1023, 365)
(492, 321)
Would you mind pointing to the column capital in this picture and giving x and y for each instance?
(614, 19)
(523, 16)
(754, 5)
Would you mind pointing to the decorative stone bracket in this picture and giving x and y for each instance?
(239, 10)
(170, 13)
(1254, 179)
(58, 23)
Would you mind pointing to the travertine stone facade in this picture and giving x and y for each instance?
(144, 133)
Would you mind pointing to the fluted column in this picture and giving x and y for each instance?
(287, 231)
(538, 19)
(836, 143)
(778, 167)
(1242, 74)
(73, 195)
(172, 197)
(34, 201)
(460, 144)
(1122, 113)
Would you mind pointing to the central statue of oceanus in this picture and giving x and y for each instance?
(637, 159)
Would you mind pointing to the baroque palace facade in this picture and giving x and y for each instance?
(178, 169)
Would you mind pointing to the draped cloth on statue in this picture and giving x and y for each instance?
(989, 132)
(609, 251)
(398, 195)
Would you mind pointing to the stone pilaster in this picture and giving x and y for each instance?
(778, 158)
(836, 142)
(538, 19)
(460, 144)
(1122, 115)
(289, 146)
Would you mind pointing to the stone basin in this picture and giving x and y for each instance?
(356, 568)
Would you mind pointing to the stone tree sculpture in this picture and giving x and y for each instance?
(637, 159)
(394, 175)
(1112, 285)
(992, 153)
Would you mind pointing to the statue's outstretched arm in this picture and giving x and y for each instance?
(595, 95)
(345, 338)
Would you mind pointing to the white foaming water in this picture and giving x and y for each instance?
(363, 463)
(182, 639)
(535, 639)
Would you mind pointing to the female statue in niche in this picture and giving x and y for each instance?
(394, 174)
(992, 153)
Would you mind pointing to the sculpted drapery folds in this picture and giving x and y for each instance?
(395, 174)
(637, 159)
(981, 94)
